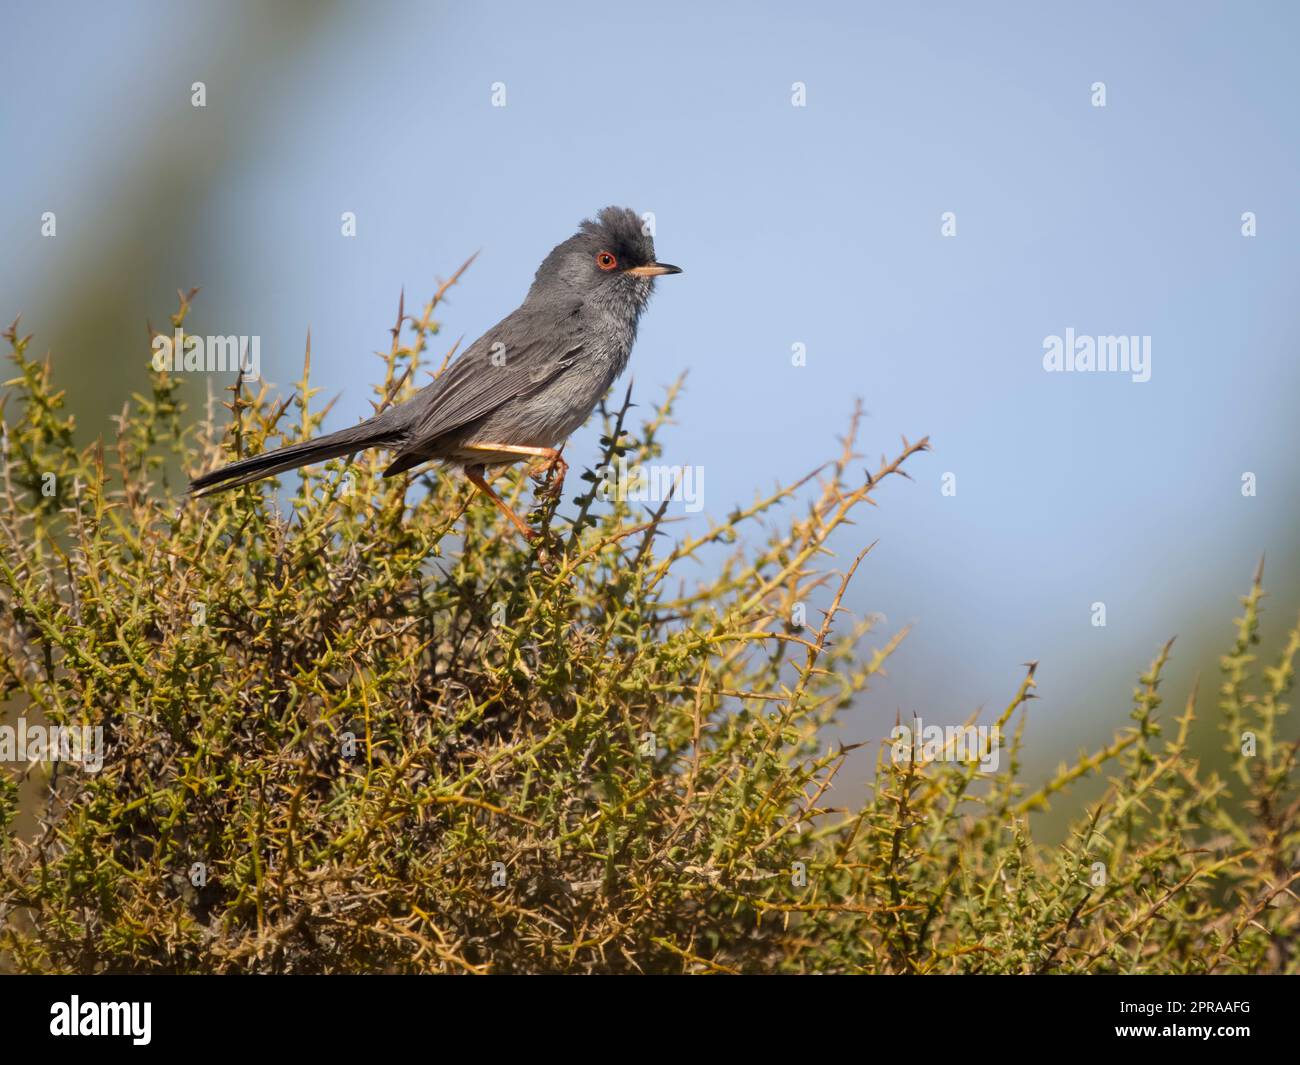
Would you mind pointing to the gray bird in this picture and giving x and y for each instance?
(524, 386)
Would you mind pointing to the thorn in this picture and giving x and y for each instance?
(401, 314)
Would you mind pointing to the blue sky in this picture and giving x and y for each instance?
(817, 225)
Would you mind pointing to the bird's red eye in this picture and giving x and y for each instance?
(606, 261)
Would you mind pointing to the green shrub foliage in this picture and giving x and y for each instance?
(366, 727)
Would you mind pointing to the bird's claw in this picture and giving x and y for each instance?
(550, 477)
(551, 488)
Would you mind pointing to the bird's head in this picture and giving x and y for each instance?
(609, 261)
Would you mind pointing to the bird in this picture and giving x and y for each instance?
(523, 387)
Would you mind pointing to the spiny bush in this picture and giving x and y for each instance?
(386, 734)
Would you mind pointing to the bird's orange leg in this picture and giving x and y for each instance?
(554, 460)
(475, 476)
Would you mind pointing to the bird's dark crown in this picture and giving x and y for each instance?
(620, 231)
(574, 264)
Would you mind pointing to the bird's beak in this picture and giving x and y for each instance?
(653, 270)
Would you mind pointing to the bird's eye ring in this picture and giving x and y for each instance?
(606, 261)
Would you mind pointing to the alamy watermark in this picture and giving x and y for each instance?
(79, 1018)
(82, 745)
(191, 353)
(652, 484)
(965, 744)
(1075, 353)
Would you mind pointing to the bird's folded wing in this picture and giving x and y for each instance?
(497, 368)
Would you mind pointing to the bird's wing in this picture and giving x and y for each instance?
(514, 358)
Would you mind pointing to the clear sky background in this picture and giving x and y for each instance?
(817, 225)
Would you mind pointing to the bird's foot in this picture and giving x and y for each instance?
(551, 476)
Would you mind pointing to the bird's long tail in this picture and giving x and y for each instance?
(330, 446)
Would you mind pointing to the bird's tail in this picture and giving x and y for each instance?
(330, 446)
